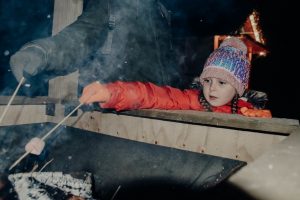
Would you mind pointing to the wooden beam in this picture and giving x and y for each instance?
(23, 100)
(65, 13)
(218, 141)
(275, 125)
(275, 174)
(24, 114)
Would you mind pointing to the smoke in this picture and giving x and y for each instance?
(152, 42)
(140, 40)
(21, 22)
(14, 138)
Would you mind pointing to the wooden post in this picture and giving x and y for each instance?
(65, 13)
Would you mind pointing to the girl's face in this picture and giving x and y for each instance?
(217, 92)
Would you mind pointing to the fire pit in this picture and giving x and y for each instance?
(133, 167)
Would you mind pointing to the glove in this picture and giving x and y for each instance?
(28, 62)
(95, 92)
(256, 113)
(35, 146)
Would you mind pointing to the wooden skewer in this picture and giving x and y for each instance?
(11, 99)
(114, 195)
(62, 121)
(46, 135)
(47, 163)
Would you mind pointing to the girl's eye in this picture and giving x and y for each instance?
(222, 82)
(206, 80)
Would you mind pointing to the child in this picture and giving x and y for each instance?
(224, 80)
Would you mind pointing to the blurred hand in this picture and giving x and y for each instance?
(95, 92)
(28, 62)
(35, 146)
(256, 113)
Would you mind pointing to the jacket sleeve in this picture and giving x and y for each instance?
(138, 95)
(68, 49)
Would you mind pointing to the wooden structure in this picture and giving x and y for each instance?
(270, 146)
(265, 144)
(65, 13)
(251, 35)
(230, 136)
(254, 48)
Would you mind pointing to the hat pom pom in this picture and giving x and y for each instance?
(235, 43)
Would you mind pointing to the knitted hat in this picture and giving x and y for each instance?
(229, 63)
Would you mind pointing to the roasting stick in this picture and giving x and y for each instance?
(45, 136)
(11, 99)
(62, 121)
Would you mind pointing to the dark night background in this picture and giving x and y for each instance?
(275, 74)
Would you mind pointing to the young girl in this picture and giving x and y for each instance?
(224, 80)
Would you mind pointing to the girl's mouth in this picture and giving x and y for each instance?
(212, 97)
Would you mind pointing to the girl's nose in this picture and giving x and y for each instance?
(213, 85)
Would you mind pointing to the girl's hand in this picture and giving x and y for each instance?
(256, 113)
(35, 146)
(95, 92)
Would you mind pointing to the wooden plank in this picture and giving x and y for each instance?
(276, 125)
(24, 114)
(65, 13)
(224, 142)
(64, 87)
(219, 141)
(275, 174)
(23, 100)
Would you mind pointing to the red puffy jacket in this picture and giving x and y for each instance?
(138, 95)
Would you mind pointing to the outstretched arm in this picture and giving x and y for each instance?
(137, 95)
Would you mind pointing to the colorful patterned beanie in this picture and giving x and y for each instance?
(229, 63)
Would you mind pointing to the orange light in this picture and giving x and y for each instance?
(262, 53)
